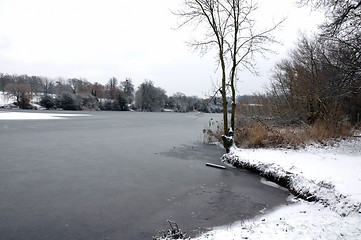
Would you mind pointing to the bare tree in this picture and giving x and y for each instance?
(46, 84)
(341, 14)
(97, 90)
(4, 79)
(231, 30)
(341, 35)
(78, 85)
(308, 86)
(128, 89)
(112, 88)
(21, 92)
(342, 30)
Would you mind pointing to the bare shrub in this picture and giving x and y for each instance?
(262, 135)
(259, 135)
(322, 130)
(214, 132)
(174, 232)
(21, 92)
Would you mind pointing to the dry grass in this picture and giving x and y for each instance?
(213, 136)
(321, 131)
(261, 135)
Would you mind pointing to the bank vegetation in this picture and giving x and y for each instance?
(314, 94)
(33, 92)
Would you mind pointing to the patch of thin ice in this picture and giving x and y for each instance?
(272, 184)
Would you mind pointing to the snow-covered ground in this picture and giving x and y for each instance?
(332, 175)
(7, 101)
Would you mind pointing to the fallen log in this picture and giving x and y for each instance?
(215, 165)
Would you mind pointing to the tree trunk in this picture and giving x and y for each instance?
(227, 141)
(233, 111)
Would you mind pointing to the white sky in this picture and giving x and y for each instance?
(99, 39)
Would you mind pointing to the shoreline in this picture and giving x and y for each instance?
(324, 181)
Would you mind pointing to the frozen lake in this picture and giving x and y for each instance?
(119, 175)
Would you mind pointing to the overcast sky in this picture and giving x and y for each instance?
(99, 39)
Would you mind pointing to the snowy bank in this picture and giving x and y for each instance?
(302, 220)
(328, 176)
(315, 173)
(9, 102)
(5, 101)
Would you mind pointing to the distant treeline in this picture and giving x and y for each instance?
(80, 94)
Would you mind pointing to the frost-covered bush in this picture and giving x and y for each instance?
(105, 105)
(87, 101)
(68, 101)
(48, 102)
